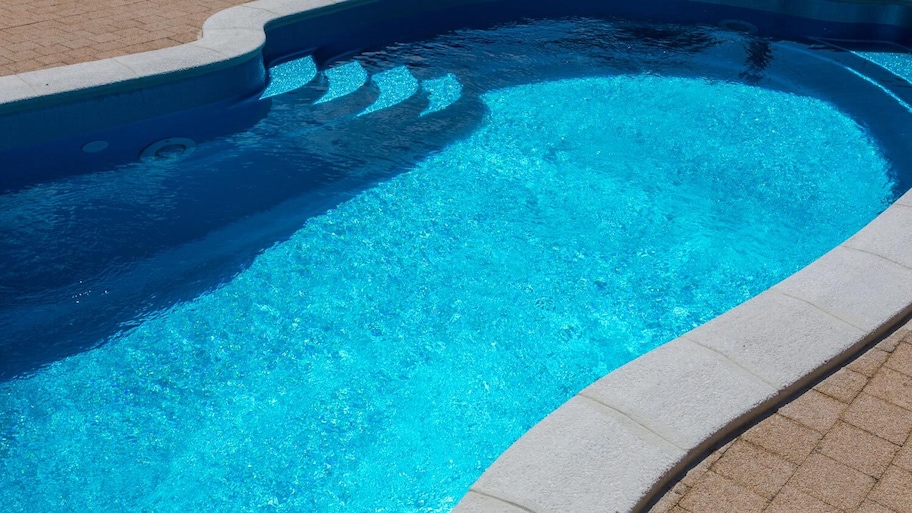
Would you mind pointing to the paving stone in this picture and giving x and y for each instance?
(693, 475)
(843, 385)
(869, 506)
(903, 458)
(901, 359)
(858, 449)
(792, 500)
(868, 363)
(758, 469)
(892, 386)
(784, 437)
(879, 417)
(667, 502)
(814, 409)
(894, 490)
(890, 342)
(717, 494)
(80, 24)
(832, 482)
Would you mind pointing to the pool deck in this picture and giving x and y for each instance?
(40, 34)
(844, 445)
(840, 444)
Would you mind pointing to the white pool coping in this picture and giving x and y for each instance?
(616, 444)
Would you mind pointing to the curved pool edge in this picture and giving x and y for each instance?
(225, 63)
(619, 442)
(229, 37)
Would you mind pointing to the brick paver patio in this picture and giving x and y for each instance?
(38, 34)
(845, 445)
(838, 447)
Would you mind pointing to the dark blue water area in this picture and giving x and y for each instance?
(92, 245)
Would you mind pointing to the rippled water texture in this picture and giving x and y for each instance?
(381, 357)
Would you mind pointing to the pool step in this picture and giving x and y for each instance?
(885, 65)
(897, 62)
(290, 76)
(345, 81)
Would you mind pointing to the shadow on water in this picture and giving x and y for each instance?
(759, 56)
(97, 253)
(92, 250)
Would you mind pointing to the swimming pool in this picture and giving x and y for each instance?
(399, 238)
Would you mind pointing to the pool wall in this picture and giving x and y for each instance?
(621, 440)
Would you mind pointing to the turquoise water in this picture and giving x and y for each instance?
(900, 64)
(386, 353)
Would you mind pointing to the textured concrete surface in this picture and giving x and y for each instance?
(844, 445)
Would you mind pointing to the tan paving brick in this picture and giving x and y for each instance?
(843, 385)
(103, 36)
(901, 359)
(51, 50)
(24, 46)
(792, 500)
(26, 55)
(696, 473)
(892, 386)
(717, 494)
(879, 417)
(757, 469)
(889, 344)
(668, 502)
(868, 363)
(869, 506)
(903, 458)
(858, 449)
(783, 437)
(894, 490)
(75, 44)
(49, 60)
(833, 482)
(815, 410)
(23, 66)
(80, 24)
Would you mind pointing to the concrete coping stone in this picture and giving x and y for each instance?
(618, 442)
(234, 35)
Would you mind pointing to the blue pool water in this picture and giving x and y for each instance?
(418, 317)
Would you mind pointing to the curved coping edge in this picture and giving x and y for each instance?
(620, 442)
(230, 37)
